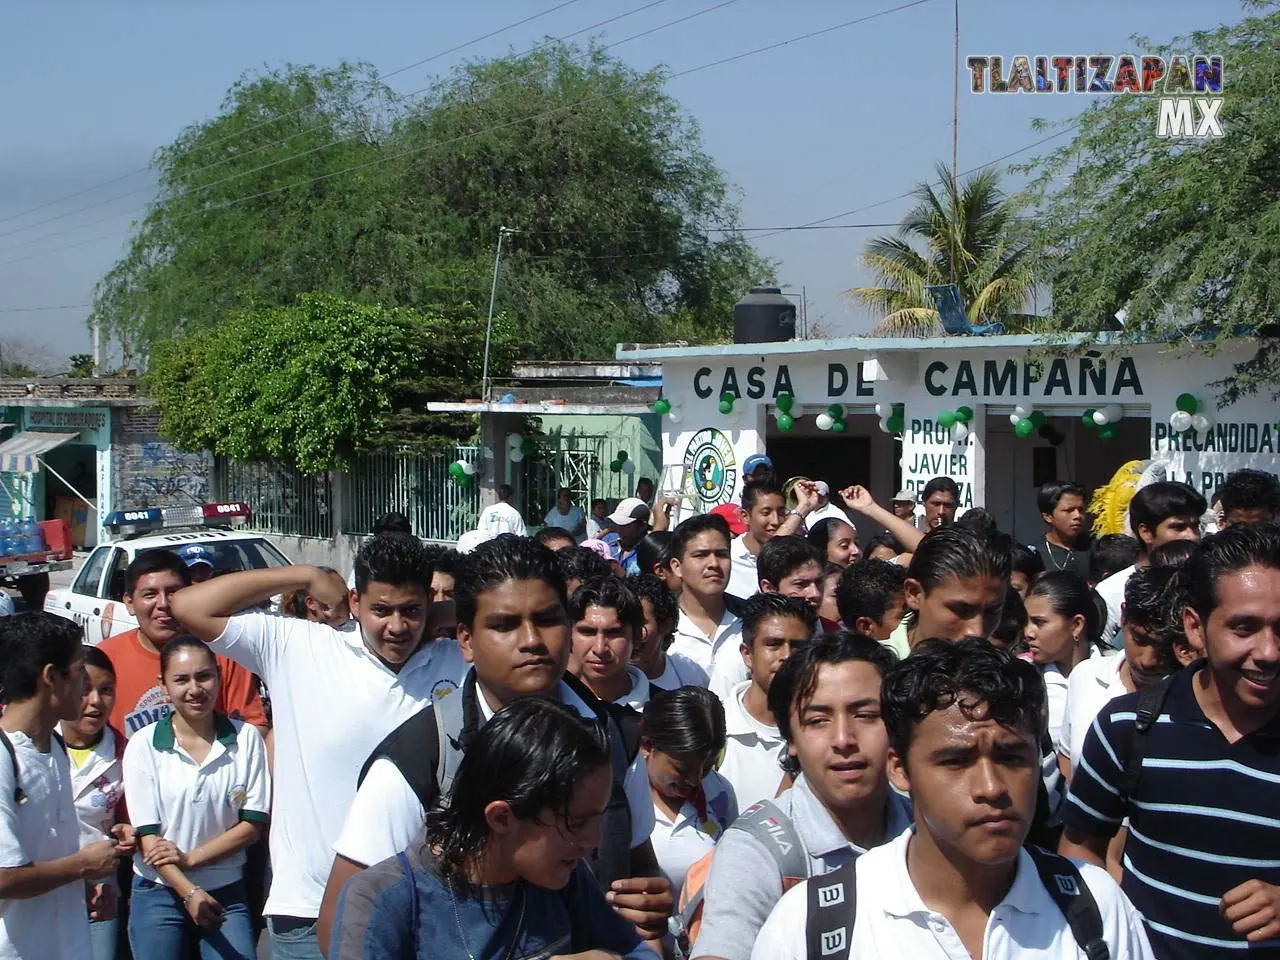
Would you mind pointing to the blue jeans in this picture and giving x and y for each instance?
(102, 938)
(293, 939)
(160, 929)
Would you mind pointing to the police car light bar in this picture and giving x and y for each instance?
(130, 523)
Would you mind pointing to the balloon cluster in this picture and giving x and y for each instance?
(461, 471)
(519, 447)
(957, 421)
(831, 419)
(1188, 416)
(1104, 419)
(892, 417)
(665, 408)
(783, 404)
(623, 463)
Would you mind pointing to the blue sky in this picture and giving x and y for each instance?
(815, 128)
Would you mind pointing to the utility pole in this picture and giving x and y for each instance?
(503, 233)
(955, 137)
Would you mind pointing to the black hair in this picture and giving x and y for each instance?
(97, 657)
(1250, 490)
(820, 533)
(295, 604)
(760, 607)
(1069, 596)
(505, 491)
(178, 644)
(1175, 553)
(499, 561)
(953, 551)
(688, 721)
(973, 674)
(155, 561)
(1050, 494)
(666, 608)
(578, 563)
(560, 490)
(29, 642)
(393, 522)
(753, 490)
(883, 539)
(687, 530)
(1225, 553)
(1025, 561)
(599, 500)
(654, 550)
(1111, 553)
(1154, 504)
(782, 556)
(944, 484)
(797, 678)
(612, 593)
(397, 559)
(549, 535)
(867, 588)
(1010, 631)
(532, 754)
(648, 480)
(980, 520)
(1153, 601)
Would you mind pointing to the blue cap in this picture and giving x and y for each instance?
(753, 462)
(195, 554)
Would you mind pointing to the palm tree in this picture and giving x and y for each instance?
(967, 240)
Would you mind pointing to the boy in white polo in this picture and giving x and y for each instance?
(964, 725)
(335, 694)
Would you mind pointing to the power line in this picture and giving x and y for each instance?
(61, 306)
(476, 133)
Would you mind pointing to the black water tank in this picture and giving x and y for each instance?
(764, 316)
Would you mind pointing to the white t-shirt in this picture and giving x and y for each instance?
(680, 671)
(387, 815)
(596, 528)
(1056, 688)
(96, 788)
(189, 803)
(501, 518)
(332, 702)
(690, 642)
(679, 844)
(743, 579)
(6, 604)
(570, 521)
(1091, 686)
(751, 752)
(892, 920)
(1112, 591)
(54, 925)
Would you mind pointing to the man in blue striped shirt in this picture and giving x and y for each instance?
(1202, 860)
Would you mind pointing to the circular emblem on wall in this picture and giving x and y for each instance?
(712, 471)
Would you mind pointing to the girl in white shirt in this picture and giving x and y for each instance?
(97, 786)
(1062, 626)
(681, 735)
(198, 795)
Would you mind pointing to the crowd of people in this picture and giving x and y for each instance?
(750, 735)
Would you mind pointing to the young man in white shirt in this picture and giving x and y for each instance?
(665, 670)
(706, 629)
(513, 629)
(827, 701)
(963, 723)
(335, 694)
(606, 617)
(501, 517)
(43, 869)
(764, 511)
(566, 515)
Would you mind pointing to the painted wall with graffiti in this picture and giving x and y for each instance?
(147, 470)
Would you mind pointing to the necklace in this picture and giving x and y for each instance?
(1058, 564)
(457, 918)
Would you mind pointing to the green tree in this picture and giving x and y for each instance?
(966, 237)
(80, 365)
(1183, 235)
(313, 383)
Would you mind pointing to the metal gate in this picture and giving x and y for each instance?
(578, 462)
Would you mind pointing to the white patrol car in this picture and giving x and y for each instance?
(201, 534)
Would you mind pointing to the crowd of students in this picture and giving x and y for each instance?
(928, 745)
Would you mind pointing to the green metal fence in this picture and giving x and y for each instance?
(283, 501)
(417, 486)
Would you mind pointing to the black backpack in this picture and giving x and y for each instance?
(1150, 703)
(832, 907)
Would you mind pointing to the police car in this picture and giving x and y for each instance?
(204, 536)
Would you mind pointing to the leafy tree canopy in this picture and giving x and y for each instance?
(1183, 235)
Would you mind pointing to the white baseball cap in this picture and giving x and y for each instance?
(628, 511)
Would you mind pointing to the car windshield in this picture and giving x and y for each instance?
(231, 556)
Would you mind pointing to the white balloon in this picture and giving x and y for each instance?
(516, 455)
(1022, 410)
(1201, 422)
(959, 432)
(629, 466)
(1101, 417)
(468, 467)
(884, 425)
(1180, 421)
(675, 416)
(1115, 413)
(1015, 418)
(883, 410)
(824, 421)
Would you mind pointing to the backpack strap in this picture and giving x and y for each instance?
(19, 795)
(1150, 703)
(414, 748)
(775, 831)
(407, 870)
(1066, 887)
(832, 906)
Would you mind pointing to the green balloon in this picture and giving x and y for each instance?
(1087, 418)
(896, 423)
(838, 427)
(616, 467)
(727, 397)
(785, 422)
(1037, 417)
(1025, 428)
(456, 471)
(947, 419)
(836, 411)
(784, 402)
(726, 406)
(1107, 431)
(964, 414)
(1045, 432)
(662, 407)
(622, 456)
(1187, 403)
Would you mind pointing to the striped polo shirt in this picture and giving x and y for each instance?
(1204, 819)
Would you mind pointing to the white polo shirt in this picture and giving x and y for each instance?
(54, 925)
(97, 784)
(332, 702)
(892, 920)
(680, 671)
(1055, 685)
(386, 815)
(640, 692)
(751, 752)
(1112, 592)
(1091, 686)
(680, 843)
(692, 643)
(743, 579)
(189, 803)
(728, 669)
